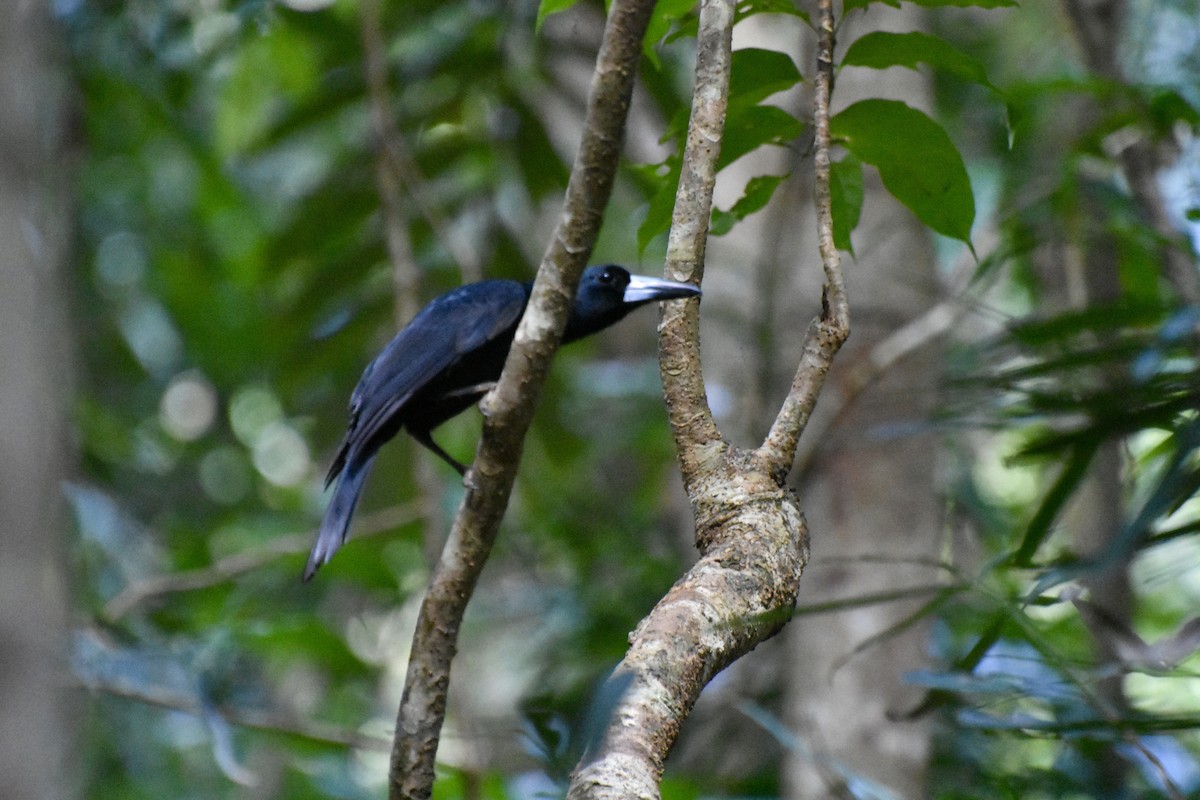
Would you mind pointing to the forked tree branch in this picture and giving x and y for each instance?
(509, 408)
(749, 528)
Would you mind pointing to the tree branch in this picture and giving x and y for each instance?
(257, 719)
(738, 595)
(230, 567)
(911, 336)
(827, 333)
(396, 168)
(679, 332)
(406, 277)
(508, 410)
(394, 171)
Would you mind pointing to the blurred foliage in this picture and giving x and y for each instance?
(234, 281)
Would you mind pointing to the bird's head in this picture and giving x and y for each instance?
(608, 292)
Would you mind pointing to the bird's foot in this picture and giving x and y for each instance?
(478, 390)
(468, 481)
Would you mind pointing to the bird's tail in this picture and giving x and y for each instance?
(337, 516)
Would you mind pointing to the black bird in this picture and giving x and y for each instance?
(445, 360)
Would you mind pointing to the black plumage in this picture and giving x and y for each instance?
(444, 361)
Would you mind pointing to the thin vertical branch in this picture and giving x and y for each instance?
(691, 418)
(396, 170)
(406, 277)
(509, 408)
(827, 333)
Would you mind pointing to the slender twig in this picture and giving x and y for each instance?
(406, 276)
(257, 719)
(396, 167)
(226, 569)
(877, 598)
(827, 333)
(508, 409)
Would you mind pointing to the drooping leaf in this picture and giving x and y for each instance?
(1062, 491)
(846, 194)
(918, 163)
(881, 49)
(666, 13)
(755, 196)
(662, 202)
(852, 5)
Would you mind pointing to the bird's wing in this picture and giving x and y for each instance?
(449, 327)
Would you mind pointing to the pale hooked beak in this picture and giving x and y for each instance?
(642, 289)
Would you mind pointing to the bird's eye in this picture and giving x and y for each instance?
(607, 276)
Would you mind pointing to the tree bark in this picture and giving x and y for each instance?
(35, 388)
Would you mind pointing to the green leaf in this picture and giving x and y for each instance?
(880, 50)
(758, 74)
(666, 14)
(846, 194)
(755, 196)
(918, 163)
(749, 127)
(662, 203)
(1063, 490)
(548, 7)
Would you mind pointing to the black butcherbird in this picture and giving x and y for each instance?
(445, 360)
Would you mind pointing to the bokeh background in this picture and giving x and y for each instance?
(214, 213)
